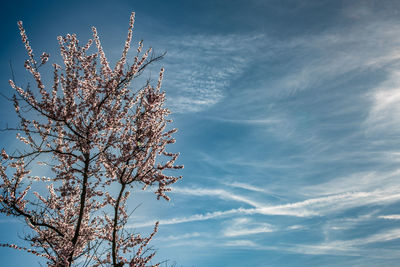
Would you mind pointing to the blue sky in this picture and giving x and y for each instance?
(288, 124)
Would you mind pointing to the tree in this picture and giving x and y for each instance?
(99, 140)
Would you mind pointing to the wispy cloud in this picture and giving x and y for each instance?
(359, 247)
(246, 162)
(260, 121)
(246, 226)
(385, 99)
(351, 247)
(240, 243)
(244, 186)
(220, 193)
(390, 217)
(359, 181)
(201, 67)
(296, 227)
(339, 53)
(312, 207)
(180, 237)
(383, 236)
(322, 206)
(355, 246)
(192, 218)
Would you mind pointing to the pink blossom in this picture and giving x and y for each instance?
(100, 134)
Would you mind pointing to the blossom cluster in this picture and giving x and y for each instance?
(100, 134)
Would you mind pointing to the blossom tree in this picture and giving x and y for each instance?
(99, 139)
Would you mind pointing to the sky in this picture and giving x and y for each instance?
(288, 124)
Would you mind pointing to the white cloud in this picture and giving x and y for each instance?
(312, 207)
(246, 226)
(296, 227)
(385, 99)
(247, 162)
(331, 204)
(351, 247)
(244, 186)
(220, 193)
(240, 243)
(383, 236)
(201, 67)
(390, 217)
(321, 59)
(180, 237)
(361, 181)
(260, 121)
(192, 218)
